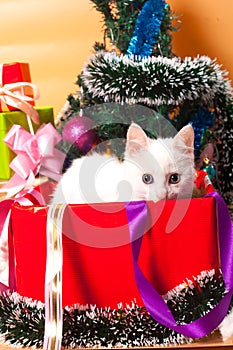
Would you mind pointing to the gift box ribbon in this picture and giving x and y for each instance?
(154, 303)
(34, 154)
(11, 94)
(53, 279)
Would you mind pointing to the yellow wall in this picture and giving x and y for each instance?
(56, 38)
(207, 29)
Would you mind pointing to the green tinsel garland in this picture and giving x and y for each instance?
(22, 319)
(153, 80)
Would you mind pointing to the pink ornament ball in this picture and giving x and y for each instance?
(78, 131)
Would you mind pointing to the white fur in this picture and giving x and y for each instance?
(101, 178)
(226, 327)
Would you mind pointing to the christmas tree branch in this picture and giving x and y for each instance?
(154, 80)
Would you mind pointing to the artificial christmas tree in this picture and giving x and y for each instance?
(140, 68)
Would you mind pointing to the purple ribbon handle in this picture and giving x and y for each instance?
(154, 303)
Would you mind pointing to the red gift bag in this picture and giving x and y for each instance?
(97, 255)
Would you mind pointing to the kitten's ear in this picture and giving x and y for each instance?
(186, 134)
(136, 139)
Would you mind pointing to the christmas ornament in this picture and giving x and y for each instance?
(209, 168)
(207, 157)
(203, 182)
(210, 171)
(78, 131)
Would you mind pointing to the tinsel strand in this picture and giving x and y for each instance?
(153, 81)
(22, 319)
(147, 28)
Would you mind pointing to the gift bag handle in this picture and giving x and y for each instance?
(154, 303)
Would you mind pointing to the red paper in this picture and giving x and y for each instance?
(97, 266)
(16, 72)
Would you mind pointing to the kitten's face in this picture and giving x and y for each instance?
(160, 169)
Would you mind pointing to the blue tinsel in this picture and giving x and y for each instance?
(147, 28)
(203, 119)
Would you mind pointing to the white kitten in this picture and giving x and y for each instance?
(151, 170)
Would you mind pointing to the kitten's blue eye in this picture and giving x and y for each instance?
(174, 179)
(147, 179)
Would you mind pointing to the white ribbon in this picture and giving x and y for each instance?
(13, 95)
(4, 252)
(53, 279)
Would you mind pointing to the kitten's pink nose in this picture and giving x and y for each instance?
(161, 195)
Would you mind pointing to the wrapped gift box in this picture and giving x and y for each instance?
(97, 254)
(16, 72)
(7, 120)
